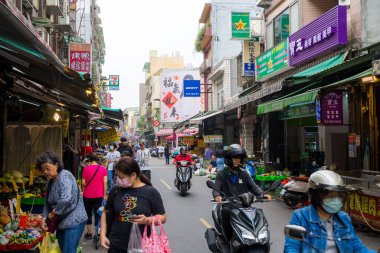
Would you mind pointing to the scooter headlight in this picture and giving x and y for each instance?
(247, 235)
(263, 235)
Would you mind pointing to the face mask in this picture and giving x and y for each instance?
(123, 182)
(332, 205)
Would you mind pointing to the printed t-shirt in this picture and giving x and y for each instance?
(127, 201)
(112, 156)
(96, 187)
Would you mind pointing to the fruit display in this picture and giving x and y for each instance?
(4, 217)
(23, 239)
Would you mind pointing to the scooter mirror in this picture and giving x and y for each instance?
(295, 232)
(274, 185)
(211, 184)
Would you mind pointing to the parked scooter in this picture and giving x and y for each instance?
(249, 166)
(183, 176)
(250, 229)
(295, 192)
(153, 152)
(197, 162)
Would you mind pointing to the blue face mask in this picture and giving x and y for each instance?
(332, 205)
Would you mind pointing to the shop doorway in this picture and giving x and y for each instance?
(339, 155)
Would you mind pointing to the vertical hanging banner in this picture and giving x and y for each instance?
(251, 50)
(240, 25)
(177, 104)
(80, 57)
(114, 82)
(332, 108)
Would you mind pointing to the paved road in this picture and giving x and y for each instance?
(188, 216)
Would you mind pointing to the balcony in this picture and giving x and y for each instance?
(54, 7)
(207, 38)
(206, 65)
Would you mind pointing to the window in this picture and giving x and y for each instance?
(281, 27)
(294, 18)
(269, 36)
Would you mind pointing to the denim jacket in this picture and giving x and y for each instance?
(344, 234)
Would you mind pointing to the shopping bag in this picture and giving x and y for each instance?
(135, 240)
(156, 243)
(49, 244)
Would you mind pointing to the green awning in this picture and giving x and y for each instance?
(113, 113)
(21, 47)
(367, 72)
(321, 67)
(279, 105)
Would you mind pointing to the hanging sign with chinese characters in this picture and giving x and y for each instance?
(175, 106)
(324, 34)
(80, 57)
(271, 61)
(332, 108)
(251, 50)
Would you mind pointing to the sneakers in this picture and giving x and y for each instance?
(88, 236)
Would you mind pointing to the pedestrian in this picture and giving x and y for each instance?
(124, 146)
(329, 228)
(161, 151)
(112, 156)
(133, 200)
(167, 153)
(220, 159)
(94, 186)
(213, 167)
(63, 209)
(142, 157)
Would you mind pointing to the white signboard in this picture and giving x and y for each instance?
(174, 106)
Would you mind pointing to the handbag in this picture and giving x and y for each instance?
(156, 243)
(135, 240)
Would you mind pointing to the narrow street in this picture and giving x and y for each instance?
(188, 216)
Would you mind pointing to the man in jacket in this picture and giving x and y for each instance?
(123, 146)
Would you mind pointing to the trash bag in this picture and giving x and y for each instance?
(135, 240)
(49, 244)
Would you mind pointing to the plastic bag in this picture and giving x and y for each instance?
(49, 244)
(135, 240)
(156, 243)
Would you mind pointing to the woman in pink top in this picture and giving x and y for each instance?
(94, 183)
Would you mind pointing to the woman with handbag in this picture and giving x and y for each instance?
(94, 185)
(133, 200)
(64, 209)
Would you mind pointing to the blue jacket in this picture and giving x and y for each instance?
(345, 236)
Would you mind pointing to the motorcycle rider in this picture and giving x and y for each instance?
(329, 229)
(182, 156)
(233, 181)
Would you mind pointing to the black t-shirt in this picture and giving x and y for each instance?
(127, 201)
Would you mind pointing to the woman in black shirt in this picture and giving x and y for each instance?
(134, 199)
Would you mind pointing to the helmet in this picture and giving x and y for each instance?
(234, 150)
(322, 181)
(183, 148)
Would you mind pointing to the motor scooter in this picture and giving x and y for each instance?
(183, 176)
(197, 162)
(250, 229)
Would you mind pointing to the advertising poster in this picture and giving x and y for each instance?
(80, 57)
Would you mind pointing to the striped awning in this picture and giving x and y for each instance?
(164, 132)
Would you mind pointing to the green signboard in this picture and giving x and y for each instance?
(240, 25)
(303, 110)
(272, 60)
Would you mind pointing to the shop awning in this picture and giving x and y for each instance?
(116, 114)
(164, 132)
(332, 62)
(367, 72)
(282, 103)
(198, 120)
(190, 131)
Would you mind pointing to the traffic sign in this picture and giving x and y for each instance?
(156, 123)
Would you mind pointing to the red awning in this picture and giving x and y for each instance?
(191, 131)
(164, 132)
(169, 138)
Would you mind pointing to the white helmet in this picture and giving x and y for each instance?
(326, 180)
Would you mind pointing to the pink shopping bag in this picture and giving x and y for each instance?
(156, 243)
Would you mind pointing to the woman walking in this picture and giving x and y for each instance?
(94, 185)
(63, 209)
(134, 199)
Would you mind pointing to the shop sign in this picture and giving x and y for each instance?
(272, 61)
(107, 137)
(192, 88)
(240, 25)
(114, 82)
(213, 138)
(200, 144)
(188, 140)
(80, 57)
(326, 33)
(251, 50)
(332, 108)
(296, 112)
(358, 203)
(352, 145)
(318, 110)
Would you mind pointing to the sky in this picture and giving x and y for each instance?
(133, 28)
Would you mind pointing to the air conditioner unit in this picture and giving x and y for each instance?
(43, 34)
(64, 20)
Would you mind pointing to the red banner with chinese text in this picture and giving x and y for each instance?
(80, 57)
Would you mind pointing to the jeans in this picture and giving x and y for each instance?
(69, 238)
(92, 205)
(110, 179)
(167, 159)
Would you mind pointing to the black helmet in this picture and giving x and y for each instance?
(183, 148)
(234, 150)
